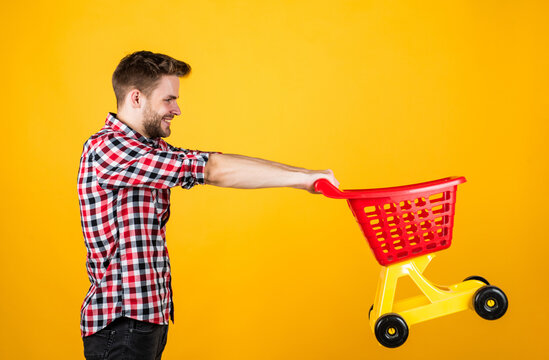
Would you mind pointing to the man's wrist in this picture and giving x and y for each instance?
(304, 178)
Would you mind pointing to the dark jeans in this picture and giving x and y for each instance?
(127, 339)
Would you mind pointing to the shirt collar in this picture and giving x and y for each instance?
(114, 123)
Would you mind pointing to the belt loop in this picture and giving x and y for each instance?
(131, 324)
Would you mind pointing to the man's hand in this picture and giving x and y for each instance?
(320, 174)
(243, 172)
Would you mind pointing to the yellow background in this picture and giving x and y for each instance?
(383, 92)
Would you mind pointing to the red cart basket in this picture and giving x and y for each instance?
(403, 222)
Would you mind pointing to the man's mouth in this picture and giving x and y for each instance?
(168, 120)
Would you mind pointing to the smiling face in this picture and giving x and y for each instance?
(161, 107)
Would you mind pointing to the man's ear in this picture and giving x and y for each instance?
(135, 98)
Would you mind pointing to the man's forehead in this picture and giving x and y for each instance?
(168, 86)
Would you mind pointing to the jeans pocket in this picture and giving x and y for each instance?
(144, 327)
(144, 340)
(96, 346)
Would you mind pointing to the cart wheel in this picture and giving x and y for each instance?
(391, 330)
(369, 312)
(479, 278)
(490, 302)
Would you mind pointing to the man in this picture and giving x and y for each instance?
(126, 172)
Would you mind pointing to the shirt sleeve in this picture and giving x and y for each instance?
(120, 161)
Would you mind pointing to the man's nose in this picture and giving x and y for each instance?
(176, 110)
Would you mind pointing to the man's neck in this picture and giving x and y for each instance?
(131, 124)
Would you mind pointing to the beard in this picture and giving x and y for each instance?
(152, 122)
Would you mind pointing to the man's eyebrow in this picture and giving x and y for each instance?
(172, 97)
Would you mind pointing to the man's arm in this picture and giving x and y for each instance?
(120, 161)
(243, 172)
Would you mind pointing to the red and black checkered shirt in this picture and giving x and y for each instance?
(124, 185)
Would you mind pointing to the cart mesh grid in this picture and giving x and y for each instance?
(401, 228)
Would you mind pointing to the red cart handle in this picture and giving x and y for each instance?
(328, 189)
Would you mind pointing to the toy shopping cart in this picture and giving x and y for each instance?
(405, 226)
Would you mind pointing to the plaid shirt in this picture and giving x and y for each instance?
(124, 185)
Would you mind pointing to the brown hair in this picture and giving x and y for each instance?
(142, 70)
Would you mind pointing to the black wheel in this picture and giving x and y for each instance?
(391, 330)
(369, 312)
(490, 302)
(479, 278)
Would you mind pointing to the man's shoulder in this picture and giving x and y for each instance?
(105, 134)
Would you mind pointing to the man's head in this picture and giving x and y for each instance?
(146, 86)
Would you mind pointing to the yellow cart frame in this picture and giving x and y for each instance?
(436, 300)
